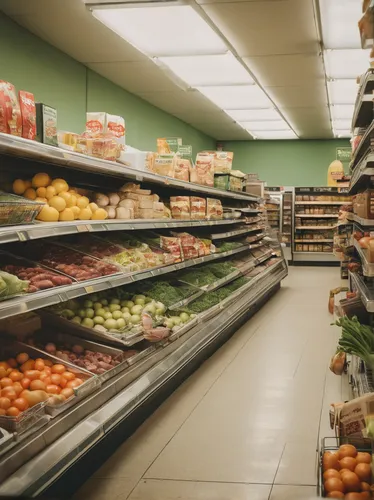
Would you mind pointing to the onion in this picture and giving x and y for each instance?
(364, 242)
(102, 200)
(114, 199)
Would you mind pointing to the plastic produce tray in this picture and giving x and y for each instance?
(17, 210)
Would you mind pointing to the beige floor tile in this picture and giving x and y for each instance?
(102, 489)
(298, 465)
(187, 490)
(293, 493)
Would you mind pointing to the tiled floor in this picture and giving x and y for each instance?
(245, 426)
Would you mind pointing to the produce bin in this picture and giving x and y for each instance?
(42, 338)
(17, 209)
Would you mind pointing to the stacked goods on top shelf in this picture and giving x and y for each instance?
(316, 215)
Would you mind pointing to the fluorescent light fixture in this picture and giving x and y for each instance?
(244, 115)
(342, 133)
(162, 30)
(342, 91)
(348, 63)
(273, 134)
(339, 20)
(265, 125)
(341, 124)
(342, 111)
(237, 97)
(198, 71)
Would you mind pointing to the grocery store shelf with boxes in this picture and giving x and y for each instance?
(138, 284)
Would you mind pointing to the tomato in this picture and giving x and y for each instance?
(25, 382)
(63, 382)
(32, 374)
(39, 365)
(12, 363)
(53, 389)
(56, 378)
(3, 372)
(4, 364)
(74, 383)
(13, 412)
(21, 404)
(6, 382)
(58, 368)
(47, 369)
(17, 387)
(68, 375)
(28, 365)
(37, 385)
(9, 392)
(4, 403)
(47, 362)
(22, 357)
(15, 375)
(67, 393)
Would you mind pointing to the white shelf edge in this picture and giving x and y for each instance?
(323, 203)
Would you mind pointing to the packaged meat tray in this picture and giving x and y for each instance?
(35, 278)
(73, 263)
(17, 209)
(99, 359)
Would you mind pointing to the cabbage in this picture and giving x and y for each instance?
(11, 285)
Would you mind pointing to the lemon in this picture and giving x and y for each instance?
(66, 196)
(66, 214)
(50, 191)
(93, 207)
(85, 214)
(76, 211)
(73, 201)
(82, 202)
(58, 203)
(60, 185)
(41, 180)
(30, 194)
(19, 186)
(41, 199)
(48, 214)
(41, 192)
(100, 214)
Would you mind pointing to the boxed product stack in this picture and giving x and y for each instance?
(363, 204)
(195, 208)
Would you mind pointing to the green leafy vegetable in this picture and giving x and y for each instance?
(357, 339)
(11, 285)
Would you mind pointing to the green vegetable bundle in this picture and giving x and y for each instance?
(357, 339)
(221, 269)
(11, 285)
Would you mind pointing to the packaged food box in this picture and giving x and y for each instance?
(203, 170)
(182, 169)
(180, 207)
(214, 209)
(28, 114)
(10, 109)
(173, 246)
(67, 140)
(198, 208)
(222, 181)
(100, 123)
(222, 161)
(236, 180)
(167, 145)
(164, 164)
(363, 204)
(46, 124)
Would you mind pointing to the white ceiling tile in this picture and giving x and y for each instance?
(136, 77)
(197, 117)
(339, 20)
(237, 97)
(311, 95)
(242, 115)
(267, 27)
(180, 101)
(342, 91)
(346, 63)
(282, 70)
(224, 131)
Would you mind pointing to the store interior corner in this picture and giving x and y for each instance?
(187, 249)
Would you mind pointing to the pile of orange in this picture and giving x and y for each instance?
(25, 382)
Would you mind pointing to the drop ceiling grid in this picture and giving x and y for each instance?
(281, 49)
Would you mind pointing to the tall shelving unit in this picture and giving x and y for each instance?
(316, 212)
(60, 448)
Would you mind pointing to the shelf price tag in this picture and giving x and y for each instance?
(21, 236)
(83, 228)
(89, 289)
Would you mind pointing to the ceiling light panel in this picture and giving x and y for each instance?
(342, 134)
(208, 70)
(272, 134)
(163, 30)
(237, 97)
(244, 115)
(339, 23)
(342, 111)
(341, 124)
(346, 63)
(342, 91)
(265, 125)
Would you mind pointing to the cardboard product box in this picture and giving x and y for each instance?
(46, 124)
(222, 181)
(363, 204)
(167, 145)
(257, 188)
(236, 180)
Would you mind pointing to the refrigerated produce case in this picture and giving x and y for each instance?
(279, 208)
(316, 213)
(227, 268)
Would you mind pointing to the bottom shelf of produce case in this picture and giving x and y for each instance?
(32, 463)
(314, 257)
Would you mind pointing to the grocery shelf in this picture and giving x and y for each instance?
(318, 216)
(41, 459)
(236, 232)
(362, 174)
(314, 241)
(363, 111)
(315, 227)
(39, 230)
(367, 267)
(363, 222)
(366, 294)
(24, 148)
(38, 300)
(363, 147)
(323, 203)
(314, 257)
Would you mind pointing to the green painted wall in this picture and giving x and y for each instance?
(286, 163)
(60, 81)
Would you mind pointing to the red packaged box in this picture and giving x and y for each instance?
(13, 113)
(28, 114)
(3, 114)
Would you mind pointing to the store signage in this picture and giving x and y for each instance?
(344, 154)
(277, 189)
(316, 190)
(343, 189)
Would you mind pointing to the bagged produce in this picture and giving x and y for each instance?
(203, 170)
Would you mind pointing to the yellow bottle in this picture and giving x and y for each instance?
(334, 172)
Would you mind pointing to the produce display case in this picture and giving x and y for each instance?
(316, 213)
(245, 273)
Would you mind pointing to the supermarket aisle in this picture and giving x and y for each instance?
(245, 425)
